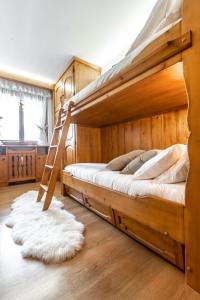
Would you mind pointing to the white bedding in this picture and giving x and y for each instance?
(165, 15)
(96, 173)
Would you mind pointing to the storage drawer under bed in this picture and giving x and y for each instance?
(75, 195)
(160, 243)
(102, 210)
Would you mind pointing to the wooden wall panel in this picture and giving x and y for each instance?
(158, 131)
(88, 144)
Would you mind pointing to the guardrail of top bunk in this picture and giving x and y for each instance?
(140, 65)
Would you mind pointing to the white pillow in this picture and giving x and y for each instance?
(160, 163)
(177, 173)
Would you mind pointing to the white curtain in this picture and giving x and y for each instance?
(37, 108)
(9, 117)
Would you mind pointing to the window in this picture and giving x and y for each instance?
(25, 113)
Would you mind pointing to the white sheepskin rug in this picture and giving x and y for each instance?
(51, 236)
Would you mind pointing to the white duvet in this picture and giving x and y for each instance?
(165, 15)
(96, 173)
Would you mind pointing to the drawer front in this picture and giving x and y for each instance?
(75, 195)
(160, 243)
(102, 210)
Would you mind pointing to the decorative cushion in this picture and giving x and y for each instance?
(160, 163)
(136, 163)
(118, 163)
(177, 173)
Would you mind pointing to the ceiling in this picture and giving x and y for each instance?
(38, 37)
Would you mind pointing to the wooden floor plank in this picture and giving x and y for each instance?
(110, 266)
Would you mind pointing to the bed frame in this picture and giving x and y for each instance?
(155, 222)
(166, 227)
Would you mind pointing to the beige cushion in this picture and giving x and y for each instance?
(160, 163)
(118, 163)
(177, 173)
(136, 163)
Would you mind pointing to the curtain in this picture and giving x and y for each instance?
(9, 116)
(37, 109)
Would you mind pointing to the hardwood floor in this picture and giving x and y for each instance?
(110, 266)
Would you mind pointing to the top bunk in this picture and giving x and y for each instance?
(147, 81)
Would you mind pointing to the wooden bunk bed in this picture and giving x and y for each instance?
(165, 76)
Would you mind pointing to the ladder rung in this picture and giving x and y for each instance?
(44, 187)
(53, 146)
(49, 166)
(58, 127)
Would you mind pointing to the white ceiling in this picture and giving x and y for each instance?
(38, 37)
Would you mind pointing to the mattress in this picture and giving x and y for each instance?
(164, 16)
(97, 174)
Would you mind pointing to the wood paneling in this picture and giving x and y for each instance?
(159, 131)
(88, 144)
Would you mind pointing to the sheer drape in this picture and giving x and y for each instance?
(37, 109)
(9, 117)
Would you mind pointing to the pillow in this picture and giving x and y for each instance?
(160, 163)
(118, 163)
(177, 173)
(137, 162)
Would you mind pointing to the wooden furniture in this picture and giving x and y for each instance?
(155, 222)
(52, 165)
(21, 163)
(153, 83)
(77, 75)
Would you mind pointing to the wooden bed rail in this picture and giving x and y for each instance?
(154, 54)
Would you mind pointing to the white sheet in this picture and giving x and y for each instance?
(96, 173)
(165, 15)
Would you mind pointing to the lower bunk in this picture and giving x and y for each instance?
(156, 222)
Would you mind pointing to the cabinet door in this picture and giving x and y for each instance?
(68, 83)
(57, 96)
(40, 162)
(70, 153)
(3, 169)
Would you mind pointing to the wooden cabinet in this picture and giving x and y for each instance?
(3, 169)
(77, 75)
(21, 163)
(40, 162)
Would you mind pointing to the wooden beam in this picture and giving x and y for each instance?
(191, 63)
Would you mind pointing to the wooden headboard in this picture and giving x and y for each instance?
(159, 131)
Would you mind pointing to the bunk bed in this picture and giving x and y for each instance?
(160, 76)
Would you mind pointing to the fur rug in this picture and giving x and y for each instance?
(51, 236)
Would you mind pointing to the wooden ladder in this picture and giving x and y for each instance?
(54, 157)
